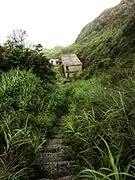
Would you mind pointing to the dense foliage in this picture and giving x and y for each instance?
(97, 115)
(108, 43)
(25, 89)
(24, 122)
(98, 121)
(15, 54)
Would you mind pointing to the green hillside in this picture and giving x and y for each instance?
(79, 130)
(109, 41)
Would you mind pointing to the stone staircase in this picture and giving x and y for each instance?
(54, 163)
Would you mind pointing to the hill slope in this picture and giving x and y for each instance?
(109, 41)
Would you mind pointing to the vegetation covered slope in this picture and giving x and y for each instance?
(97, 116)
(26, 82)
(109, 41)
(100, 127)
(24, 123)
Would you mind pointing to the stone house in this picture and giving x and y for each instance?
(70, 65)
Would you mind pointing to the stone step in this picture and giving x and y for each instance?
(55, 148)
(55, 141)
(55, 163)
(58, 169)
(45, 179)
(66, 178)
(62, 178)
(50, 157)
(61, 162)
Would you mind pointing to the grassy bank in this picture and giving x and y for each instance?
(24, 122)
(98, 120)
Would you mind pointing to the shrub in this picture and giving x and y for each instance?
(60, 101)
(97, 111)
(24, 122)
(15, 54)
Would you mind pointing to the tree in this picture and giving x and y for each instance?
(38, 47)
(15, 55)
(18, 37)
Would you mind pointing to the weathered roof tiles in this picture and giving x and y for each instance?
(70, 60)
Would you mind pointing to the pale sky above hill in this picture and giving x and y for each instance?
(49, 22)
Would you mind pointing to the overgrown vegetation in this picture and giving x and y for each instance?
(100, 127)
(96, 113)
(26, 84)
(108, 43)
(24, 122)
(16, 54)
(98, 121)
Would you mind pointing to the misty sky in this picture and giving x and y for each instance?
(49, 22)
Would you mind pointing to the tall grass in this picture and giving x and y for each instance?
(24, 122)
(101, 111)
(108, 173)
(98, 121)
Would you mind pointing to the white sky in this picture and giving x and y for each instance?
(49, 22)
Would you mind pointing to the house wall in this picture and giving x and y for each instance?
(71, 70)
(54, 62)
(75, 68)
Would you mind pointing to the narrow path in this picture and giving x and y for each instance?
(54, 163)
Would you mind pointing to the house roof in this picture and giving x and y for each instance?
(70, 60)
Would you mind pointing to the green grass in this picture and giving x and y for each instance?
(106, 45)
(96, 111)
(24, 122)
(97, 118)
(105, 173)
